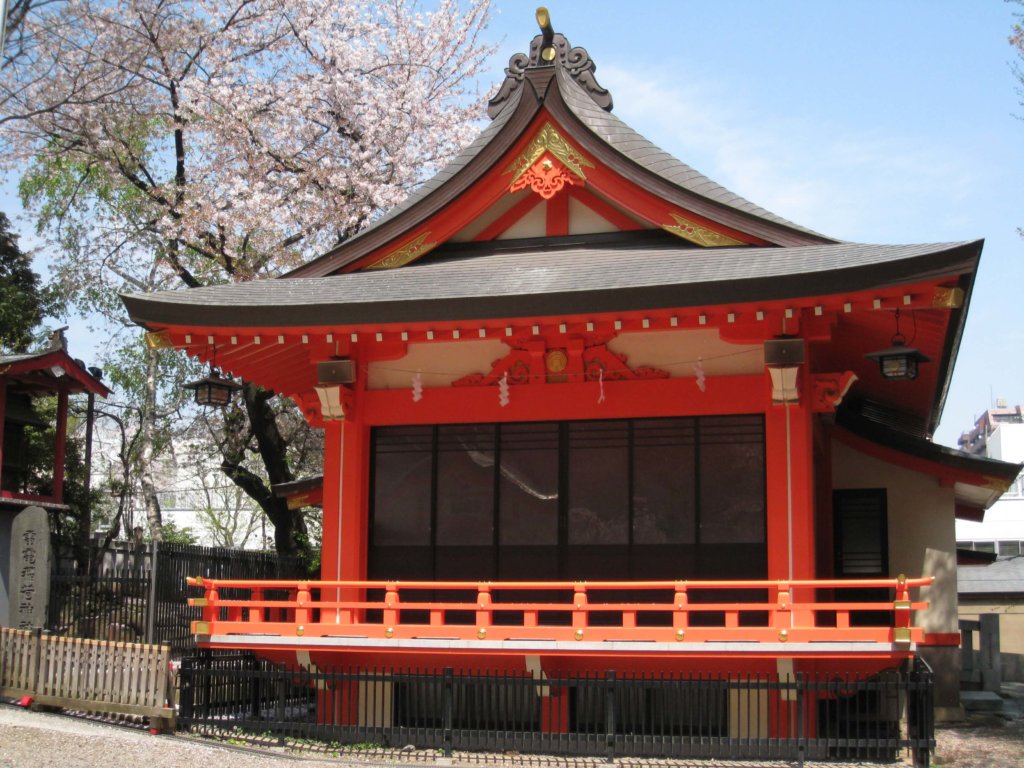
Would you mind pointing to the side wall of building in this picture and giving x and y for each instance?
(922, 542)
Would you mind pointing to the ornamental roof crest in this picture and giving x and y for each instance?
(550, 49)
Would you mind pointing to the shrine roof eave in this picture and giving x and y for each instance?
(74, 377)
(979, 480)
(577, 279)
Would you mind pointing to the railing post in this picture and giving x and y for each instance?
(801, 735)
(207, 666)
(302, 603)
(680, 615)
(151, 603)
(256, 613)
(255, 688)
(483, 613)
(609, 714)
(901, 612)
(782, 615)
(448, 694)
(920, 712)
(282, 695)
(579, 614)
(186, 691)
(390, 605)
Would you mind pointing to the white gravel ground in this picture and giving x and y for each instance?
(42, 740)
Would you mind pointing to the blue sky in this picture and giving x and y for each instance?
(878, 122)
(872, 121)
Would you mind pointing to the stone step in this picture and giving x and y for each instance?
(981, 701)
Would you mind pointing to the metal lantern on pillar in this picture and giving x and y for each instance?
(333, 377)
(213, 390)
(783, 358)
(898, 362)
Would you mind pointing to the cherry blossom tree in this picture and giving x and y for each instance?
(179, 143)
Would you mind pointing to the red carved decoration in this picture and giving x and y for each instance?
(547, 177)
(585, 360)
(829, 389)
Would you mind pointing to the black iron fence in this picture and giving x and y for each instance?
(611, 715)
(139, 594)
(110, 606)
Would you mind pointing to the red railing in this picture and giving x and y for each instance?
(645, 611)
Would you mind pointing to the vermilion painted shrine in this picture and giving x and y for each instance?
(587, 409)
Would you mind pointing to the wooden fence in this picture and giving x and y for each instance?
(90, 675)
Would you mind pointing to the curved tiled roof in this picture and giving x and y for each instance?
(510, 282)
(647, 155)
(609, 130)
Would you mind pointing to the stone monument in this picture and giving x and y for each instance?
(30, 568)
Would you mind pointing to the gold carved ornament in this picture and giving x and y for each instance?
(546, 177)
(696, 233)
(547, 140)
(408, 252)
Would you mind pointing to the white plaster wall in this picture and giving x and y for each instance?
(582, 220)
(922, 541)
(475, 227)
(533, 224)
(678, 351)
(439, 363)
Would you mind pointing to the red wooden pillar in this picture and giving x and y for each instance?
(346, 484)
(554, 709)
(338, 703)
(791, 539)
(354, 491)
(329, 560)
(790, 468)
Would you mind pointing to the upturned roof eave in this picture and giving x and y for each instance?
(571, 107)
(513, 120)
(433, 196)
(461, 290)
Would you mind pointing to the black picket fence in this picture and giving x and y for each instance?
(121, 600)
(801, 717)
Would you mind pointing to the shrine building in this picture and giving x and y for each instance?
(586, 409)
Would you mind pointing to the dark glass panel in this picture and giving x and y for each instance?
(402, 486)
(598, 482)
(664, 487)
(465, 485)
(528, 482)
(732, 481)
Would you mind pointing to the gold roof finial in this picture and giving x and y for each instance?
(543, 19)
(547, 49)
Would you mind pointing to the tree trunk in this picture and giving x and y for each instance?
(147, 438)
(290, 534)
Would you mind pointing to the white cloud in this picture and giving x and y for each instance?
(870, 185)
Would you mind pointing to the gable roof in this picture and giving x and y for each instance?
(555, 86)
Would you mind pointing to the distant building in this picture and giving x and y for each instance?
(194, 495)
(998, 434)
(996, 587)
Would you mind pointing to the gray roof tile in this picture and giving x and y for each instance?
(507, 281)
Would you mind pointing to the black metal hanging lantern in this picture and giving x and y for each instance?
(898, 362)
(213, 390)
